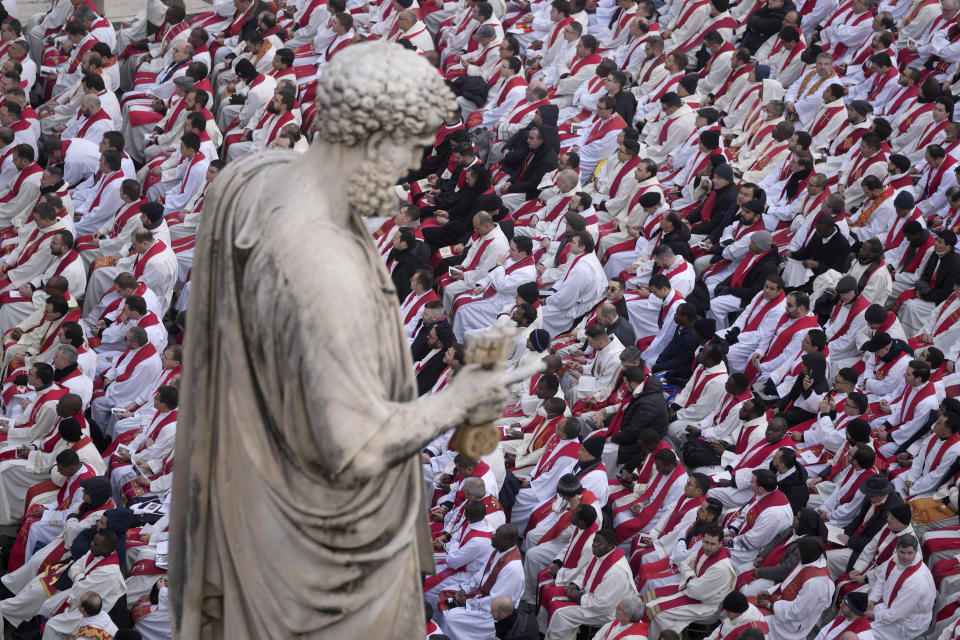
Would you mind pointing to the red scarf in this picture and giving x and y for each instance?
(757, 312)
(859, 306)
(100, 115)
(596, 571)
(773, 499)
(139, 356)
(140, 264)
(32, 170)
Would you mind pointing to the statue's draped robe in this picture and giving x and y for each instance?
(295, 359)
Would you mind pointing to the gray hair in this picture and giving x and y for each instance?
(631, 354)
(183, 82)
(68, 353)
(474, 488)
(380, 87)
(90, 99)
(908, 540)
(84, 12)
(634, 608)
(568, 176)
(778, 106)
(485, 31)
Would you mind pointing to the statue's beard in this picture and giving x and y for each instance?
(370, 190)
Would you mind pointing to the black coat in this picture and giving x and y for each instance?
(433, 161)
(706, 221)
(763, 23)
(754, 279)
(419, 346)
(544, 160)
(794, 486)
(677, 357)
(857, 543)
(407, 262)
(831, 254)
(430, 373)
(647, 409)
(946, 277)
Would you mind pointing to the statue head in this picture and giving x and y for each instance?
(387, 100)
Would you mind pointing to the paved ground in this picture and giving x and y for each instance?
(117, 10)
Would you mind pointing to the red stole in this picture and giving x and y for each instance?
(429, 296)
(604, 127)
(72, 484)
(944, 445)
(139, 356)
(626, 170)
(917, 259)
(906, 573)
(841, 626)
(519, 114)
(950, 320)
(512, 83)
(785, 334)
(757, 311)
(506, 558)
(100, 115)
(699, 382)
(571, 557)
(934, 183)
(541, 512)
(106, 180)
(860, 304)
(593, 58)
(724, 48)
(788, 591)
(676, 517)
(913, 397)
(557, 29)
(759, 452)
(140, 264)
(596, 571)
(33, 169)
(772, 499)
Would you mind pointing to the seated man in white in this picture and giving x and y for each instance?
(757, 524)
(466, 613)
(706, 577)
(98, 571)
(901, 599)
(606, 581)
(797, 603)
(627, 623)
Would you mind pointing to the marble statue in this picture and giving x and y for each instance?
(298, 508)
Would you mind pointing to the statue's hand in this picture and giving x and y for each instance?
(483, 393)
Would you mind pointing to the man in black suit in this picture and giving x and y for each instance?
(736, 291)
(431, 365)
(933, 287)
(540, 160)
(872, 517)
(826, 249)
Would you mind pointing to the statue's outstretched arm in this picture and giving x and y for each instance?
(474, 396)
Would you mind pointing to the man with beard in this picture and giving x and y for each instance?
(279, 112)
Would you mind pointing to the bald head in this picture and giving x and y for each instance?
(501, 607)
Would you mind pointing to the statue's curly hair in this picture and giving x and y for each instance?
(379, 86)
